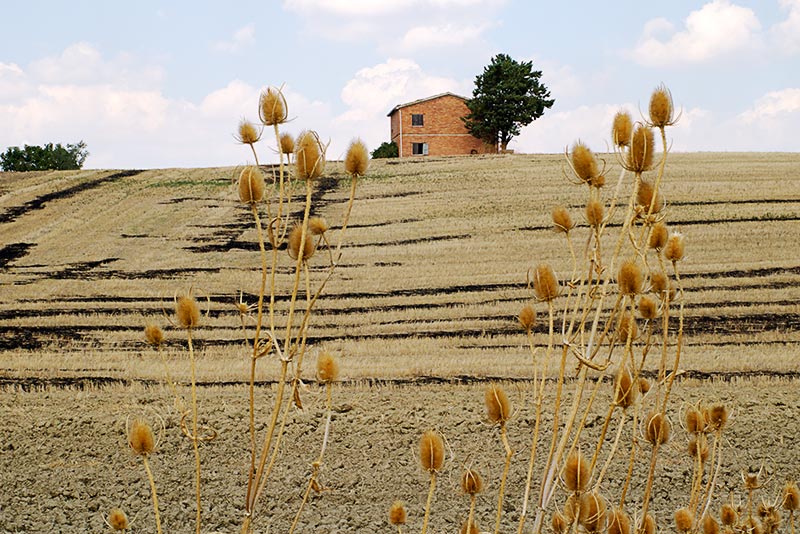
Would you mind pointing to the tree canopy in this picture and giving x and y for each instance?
(388, 149)
(46, 157)
(507, 96)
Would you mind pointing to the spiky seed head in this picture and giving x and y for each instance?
(118, 520)
(294, 247)
(619, 522)
(649, 524)
(247, 133)
(272, 108)
(657, 429)
(317, 225)
(658, 236)
(527, 318)
(468, 528)
(595, 213)
(562, 222)
(659, 284)
(356, 160)
(593, 512)
(287, 143)
(684, 519)
(661, 109)
(498, 407)
(621, 129)
(675, 247)
(751, 481)
(559, 523)
(644, 196)
(471, 482)
(397, 513)
(545, 283)
(644, 385)
(710, 524)
(717, 416)
(625, 392)
(251, 185)
(327, 367)
(309, 156)
(627, 328)
(431, 451)
(640, 154)
(187, 312)
(598, 181)
(698, 448)
(630, 278)
(571, 508)
(154, 335)
(140, 437)
(791, 496)
(576, 472)
(753, 525)
(728, 515)
(583, 162)
(695, 420)
(648, 309)
(770, 517)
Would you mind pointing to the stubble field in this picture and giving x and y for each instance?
(432, 279)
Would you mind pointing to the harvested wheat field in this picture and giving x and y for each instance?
(422, 313)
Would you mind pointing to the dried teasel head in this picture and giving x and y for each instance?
(570, 509)
(309, 154)
(728, 515)
(751, 480)
(118, 520)
(619, 522)
(154, 335)
(471, 482)
(598, 181)
(684, 519)
(621, 129)
(644, 197)
(527, 318)
(247, 133)
(770, 518)
(710, 524)
(558, 522)
(593, 512)
(470, 528)
(659, 284)
(576, 472)
(327, 368)
(272, 108)
(675, 248)
(293, 247)
(595, 212)
(695, 420)
(661, 108)
(584, 163)
(251, 185)
(648, 309)
(397, 513)
(187, 312)
(498, 407)
(716, 417)
(545, 283)
(658, 236)
(627, 328)
(641, 152)
(356, 160)
(648, 525)
(657, 429)
(790, 496)
(644, 385)
(698, 448)
(562, 222)
(287, 143)
(317, 225)
(625, 390)
(753, 525)
(431, 451)
(630, 278)
(140, 437)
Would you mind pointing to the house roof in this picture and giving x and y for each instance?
(434, 97)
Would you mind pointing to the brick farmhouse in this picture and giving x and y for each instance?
(433, 126)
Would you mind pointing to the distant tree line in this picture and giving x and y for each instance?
(46, 157)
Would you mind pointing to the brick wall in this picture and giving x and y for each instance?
(442, 129)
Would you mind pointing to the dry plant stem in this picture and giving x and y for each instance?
(195, 437)
(509, 454)
(153, 492)
(716, 455)
(611, 454)
(428, 503)
(253, 148)
(471, 516)
(168, 375)
(353, 184)
(631, 460)
(649, 486)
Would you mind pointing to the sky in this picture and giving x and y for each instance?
(150, 84)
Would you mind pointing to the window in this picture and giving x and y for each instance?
(416, 119)
(419, 149)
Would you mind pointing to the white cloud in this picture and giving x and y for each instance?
(717, 29)
(439, 36)
(786, 34)
(242, 38)
(775, 104)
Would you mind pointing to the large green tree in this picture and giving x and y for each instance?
(46, 157)
(507, 96)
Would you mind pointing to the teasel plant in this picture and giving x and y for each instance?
(143, 443)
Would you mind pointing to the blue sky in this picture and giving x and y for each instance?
(163, 84)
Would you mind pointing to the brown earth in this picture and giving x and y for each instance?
(64, 461)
